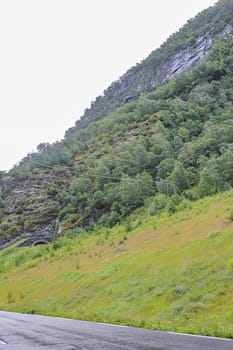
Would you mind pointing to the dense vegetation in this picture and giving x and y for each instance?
(135, 187)
(171, 272)
(169, 146)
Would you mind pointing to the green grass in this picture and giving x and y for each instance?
(172, 272)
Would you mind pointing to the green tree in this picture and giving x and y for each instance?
(180, 177)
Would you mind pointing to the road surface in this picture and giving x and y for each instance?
(28, 332)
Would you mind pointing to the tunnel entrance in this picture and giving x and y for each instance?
(41, 241)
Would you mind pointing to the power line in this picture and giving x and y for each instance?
(43, 165)
(118, 178)
(100, 176)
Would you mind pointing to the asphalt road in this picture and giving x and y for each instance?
(28, 332)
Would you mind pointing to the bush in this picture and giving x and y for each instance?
(231, 264)
(179, 291)
(230, 217)
(53, 190)
(159, 203)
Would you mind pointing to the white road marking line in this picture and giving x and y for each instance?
(112, 325)
(200, 336)
(2, 342)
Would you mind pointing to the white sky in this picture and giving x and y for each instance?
(56, 56)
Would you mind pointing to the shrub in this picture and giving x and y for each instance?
(215, 234)
(231, 264)
(179, 291)
(230, 217)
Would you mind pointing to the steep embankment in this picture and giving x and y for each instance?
(171, 272)
(183, 50)
(153, 147)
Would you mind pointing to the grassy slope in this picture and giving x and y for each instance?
(169, 272)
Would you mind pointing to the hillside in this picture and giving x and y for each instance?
(136, 200)
(183, 50)
(174, 141)
(172, 272)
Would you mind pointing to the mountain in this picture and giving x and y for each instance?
(181, 51)
(136, 200)
(159, 136)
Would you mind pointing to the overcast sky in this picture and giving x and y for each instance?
(56, 56)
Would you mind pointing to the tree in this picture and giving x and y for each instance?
(166, 186)
(165, 168)
(133, 191)
(42, 147)
(211, 179)
(180, 177)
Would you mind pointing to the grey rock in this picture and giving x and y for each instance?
(137, 81)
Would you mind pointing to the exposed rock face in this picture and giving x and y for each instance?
(149, 77)
(186, 58)
(189, 56)
(26, 212)
(33, 241)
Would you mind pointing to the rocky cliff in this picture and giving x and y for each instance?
(28, 206)
(67, 180)
(150, 74)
